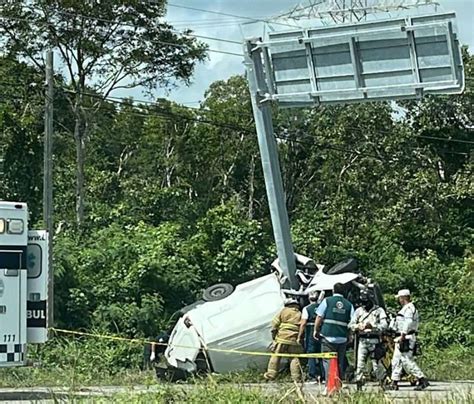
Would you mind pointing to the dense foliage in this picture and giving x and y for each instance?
(176, 199)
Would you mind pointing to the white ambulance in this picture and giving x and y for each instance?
(24, 277)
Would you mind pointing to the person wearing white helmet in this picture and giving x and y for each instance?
(406, 329)
(285, 328)
(311, 345)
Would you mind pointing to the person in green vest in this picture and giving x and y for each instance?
(311, 345)
(331, 326)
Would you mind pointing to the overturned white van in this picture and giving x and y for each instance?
(239, 319)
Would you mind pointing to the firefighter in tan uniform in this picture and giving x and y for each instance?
(285, 328)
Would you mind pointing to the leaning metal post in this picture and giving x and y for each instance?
(270, 162)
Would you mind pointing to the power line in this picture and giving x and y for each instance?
(364, 130)
(134, 26)
(154, 41)
(90, 17)
(254, 19)
(352, 151)
(173, 117)
(120, 100)
(166, 113)
(445, 139)
(153, 103)
(126, 101)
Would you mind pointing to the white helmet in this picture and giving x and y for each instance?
(290, 300)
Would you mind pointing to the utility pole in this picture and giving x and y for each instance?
(270, 162)
(48, 176)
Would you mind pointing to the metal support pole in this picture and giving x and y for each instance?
(270, 162)
(48, 177)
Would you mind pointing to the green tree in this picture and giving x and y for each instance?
(104, 46)
(21, 129)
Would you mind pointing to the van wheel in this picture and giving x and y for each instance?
(218, 291)
(349, 265)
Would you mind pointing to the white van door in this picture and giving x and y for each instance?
(38, 277)
(183, 346)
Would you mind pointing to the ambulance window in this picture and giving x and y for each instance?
(2, 226)
(15, 226)
(34, 261)
(13, 259)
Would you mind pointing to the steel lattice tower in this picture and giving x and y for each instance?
(340, 11)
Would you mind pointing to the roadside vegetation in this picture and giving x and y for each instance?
(242, 395)
(73, 364)
(206, 391)
(161, 201)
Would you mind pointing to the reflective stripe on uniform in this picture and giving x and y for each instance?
(289, 327)
(341, 323)
(279, 340)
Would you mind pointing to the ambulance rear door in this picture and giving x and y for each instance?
(38, 278)
(13, 246)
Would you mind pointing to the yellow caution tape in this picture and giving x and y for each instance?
(324, 355)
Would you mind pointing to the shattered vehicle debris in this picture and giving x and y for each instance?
(239, 319)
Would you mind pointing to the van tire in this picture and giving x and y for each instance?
(218, 291)
(349, 265)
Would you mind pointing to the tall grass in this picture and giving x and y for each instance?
(216, 394)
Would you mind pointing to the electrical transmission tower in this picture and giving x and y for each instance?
(341, 11)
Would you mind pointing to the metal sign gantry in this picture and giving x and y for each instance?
(395, 59)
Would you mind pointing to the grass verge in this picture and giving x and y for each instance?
(74, 365)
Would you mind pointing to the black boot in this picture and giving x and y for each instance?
(384, 385)
(422, 384)
(359, 384)
(393, 386)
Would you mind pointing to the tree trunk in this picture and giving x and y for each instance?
(251, 187)
(80, 159)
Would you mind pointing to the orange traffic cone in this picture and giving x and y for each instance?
(333, 383)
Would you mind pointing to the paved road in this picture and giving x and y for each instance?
(438, 391)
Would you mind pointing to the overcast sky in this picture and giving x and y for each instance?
(222, 66)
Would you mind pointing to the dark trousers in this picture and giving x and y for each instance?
(315, 368)
(340, 349)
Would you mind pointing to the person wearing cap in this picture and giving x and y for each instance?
(406, 328)
(312, 345)
(332, 326)
(369, 322)
(285, 330)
